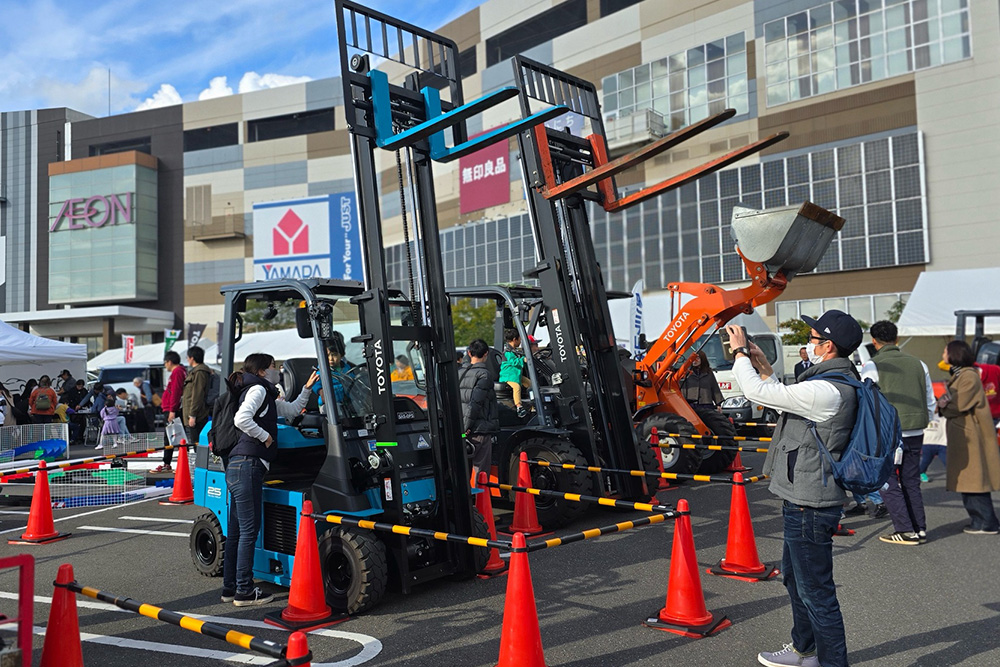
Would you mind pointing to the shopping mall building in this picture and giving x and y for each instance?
(130, 224)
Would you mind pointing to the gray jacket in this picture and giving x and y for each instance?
(794, 462)
(479, 399)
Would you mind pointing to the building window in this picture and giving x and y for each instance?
(851, 42)
(290, 125)
(612, 6)
(561, 19)
(685, 87)
(141, 144)
(866, 308)
(216, 136)
(878, 186)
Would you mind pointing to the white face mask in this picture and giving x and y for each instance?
(273, 376)
(811, 351)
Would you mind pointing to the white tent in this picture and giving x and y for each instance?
(24, 356)
(151, 354)
(930, 310)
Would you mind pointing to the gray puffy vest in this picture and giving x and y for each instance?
(794, 462)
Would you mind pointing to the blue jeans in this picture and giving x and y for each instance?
(874, 496)
(980, 509)
(245, 481)
(807, 562)
(928, 453)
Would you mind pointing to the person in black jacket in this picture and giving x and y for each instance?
(479, 406)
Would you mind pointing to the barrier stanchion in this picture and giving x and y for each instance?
(716, 448)
(741, 561)
(537, 545)
(25, 565)
(685, 612)
(41, 527)
(410, 531)
(580, 498)
(640, 473)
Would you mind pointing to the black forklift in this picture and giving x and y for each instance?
(374, 448)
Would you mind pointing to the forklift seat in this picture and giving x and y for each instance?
(295, 373)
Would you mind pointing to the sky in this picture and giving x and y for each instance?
(57, 53)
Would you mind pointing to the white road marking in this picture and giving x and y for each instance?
(134, 531)
(77, 516)
(154, 519)
(370, 647)
(14, 512)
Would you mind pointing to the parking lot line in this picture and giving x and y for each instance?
(134, 531)
(155, 519)
(21, 529)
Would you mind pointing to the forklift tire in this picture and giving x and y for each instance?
(355, 571)
(674, 459)
(208, 545)
(554, 512)
(650, 464)
(480, 529)
(720, 425)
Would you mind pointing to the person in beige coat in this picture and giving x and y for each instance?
(973, 453)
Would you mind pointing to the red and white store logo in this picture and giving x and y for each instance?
(291, 235)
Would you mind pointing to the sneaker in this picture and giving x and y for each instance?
(857, 510)
(786, 657)
(879, 511)
(969, 530)
(162, 469)
(254, 597)
(922, 536)
(901, 538)
(924, 478)
(522, 411)
(228, 595)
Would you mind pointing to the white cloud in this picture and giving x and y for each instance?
(166, 96)
(252, 81)
(217, 87)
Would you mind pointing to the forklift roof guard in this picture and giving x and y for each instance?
(787, 240)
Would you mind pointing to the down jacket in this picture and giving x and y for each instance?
(479, 399)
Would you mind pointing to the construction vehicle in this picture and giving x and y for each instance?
(374, 450)
(562, 173)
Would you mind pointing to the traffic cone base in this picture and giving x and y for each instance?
(722, 570)
(692, 631)
(307, 607)
(183, 493)
(41, 527)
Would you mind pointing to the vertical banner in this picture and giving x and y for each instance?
(128, 345)
(483, 178)
(170, 337)
(636, 319)
(195, 334)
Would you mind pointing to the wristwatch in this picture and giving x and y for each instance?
(741, 350)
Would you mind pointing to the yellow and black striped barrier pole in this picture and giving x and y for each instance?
(698, 436)
(642, 473)
(538, 545)
(214, 630)
(580, 498)
(714, 448)
(409, 531)
(72, 465)
(767, 424)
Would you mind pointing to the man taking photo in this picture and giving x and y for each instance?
(811, 508)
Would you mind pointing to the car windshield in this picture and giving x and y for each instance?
(119, 375)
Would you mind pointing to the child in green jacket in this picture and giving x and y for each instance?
(512, 367)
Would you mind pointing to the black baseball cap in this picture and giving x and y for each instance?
(838, 326)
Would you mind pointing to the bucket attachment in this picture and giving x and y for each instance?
(789, 240)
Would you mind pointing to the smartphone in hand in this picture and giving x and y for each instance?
(727, 348)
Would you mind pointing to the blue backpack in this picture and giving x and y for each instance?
(868, 459)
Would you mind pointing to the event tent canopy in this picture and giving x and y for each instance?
(151, 354)
(24, 356)
(930, 310)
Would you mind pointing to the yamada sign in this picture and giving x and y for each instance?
(307, 238)
(94, 212)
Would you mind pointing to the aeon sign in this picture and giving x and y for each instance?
(94, 212)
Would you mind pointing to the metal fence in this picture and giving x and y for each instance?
(100, 485)
(34, 441)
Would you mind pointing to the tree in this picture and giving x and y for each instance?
(798, 332)
(895, 311)
(255, 320)
(472, 321)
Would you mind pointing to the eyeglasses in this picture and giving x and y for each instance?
(819, 339)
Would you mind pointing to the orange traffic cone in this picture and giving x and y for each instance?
(737, 465)
(495, 566)
(685, 613)
(62, 634)
(298, 652)
(525, 515)
(182, 494)
(654, 442)
(521, 638)
(307, 608)
(41, 528)
(741, 561)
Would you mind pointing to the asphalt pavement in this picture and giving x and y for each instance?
(932, 605)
